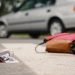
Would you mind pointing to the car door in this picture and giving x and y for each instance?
(15, 21)
(20, 20)
(37, 17)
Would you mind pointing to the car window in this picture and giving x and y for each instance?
(51, 2)
(39, 4)
(31, 4)
(28, 5)
(42, 3)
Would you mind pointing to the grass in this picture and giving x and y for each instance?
(21, 35)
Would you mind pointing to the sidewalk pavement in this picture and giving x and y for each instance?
(43, 63)
(18, 68)
(15, 69)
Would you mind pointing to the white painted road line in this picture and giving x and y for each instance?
(43, 63)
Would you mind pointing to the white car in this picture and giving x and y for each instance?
(39, 16)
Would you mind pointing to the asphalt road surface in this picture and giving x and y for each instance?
(21, 39)
(16, 68)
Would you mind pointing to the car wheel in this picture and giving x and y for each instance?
(34, 35)
(55, 27)
(3, 32)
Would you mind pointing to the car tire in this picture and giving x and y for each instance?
(55, 27)
(3, 32)
(34, 35)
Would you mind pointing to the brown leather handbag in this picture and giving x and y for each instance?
(60, 43)
(59, 46)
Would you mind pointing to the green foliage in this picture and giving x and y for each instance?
(7, 5)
